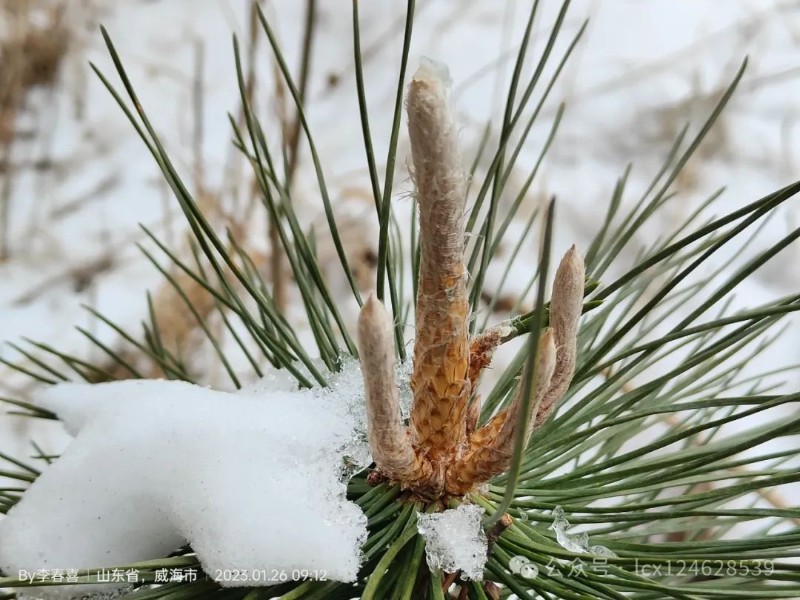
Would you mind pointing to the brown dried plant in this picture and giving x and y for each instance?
(442, 452)
(30, 56)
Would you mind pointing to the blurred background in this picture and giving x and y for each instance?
(76, 181)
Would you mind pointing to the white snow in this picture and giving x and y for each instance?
(577, 542)
(429, 67)
(455, 540)
(253, 480)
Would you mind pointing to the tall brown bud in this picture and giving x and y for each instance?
(388, 440)
(441, 351)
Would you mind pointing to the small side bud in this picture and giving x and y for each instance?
(546, 364)
(388, 440)
(566, 305)
(483, 345)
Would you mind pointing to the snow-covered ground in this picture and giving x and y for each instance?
(641, 71)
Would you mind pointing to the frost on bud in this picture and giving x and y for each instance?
(491, 448)
(566, 306)
(390, 445)
(441, 352)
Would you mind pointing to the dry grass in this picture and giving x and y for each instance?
(32, 50)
